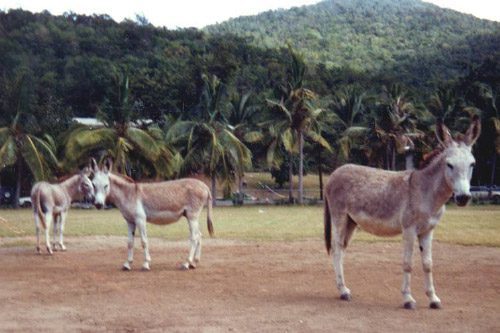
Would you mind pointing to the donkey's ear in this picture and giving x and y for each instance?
(473, 132)
(443, 133)
(108, 164)
(86, 171)
(93, 165)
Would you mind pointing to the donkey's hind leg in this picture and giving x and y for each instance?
(48, 224)
(343, 228)
(37, 231)
(55, 225)
(62, 221)
(141, 224)
(194, 243)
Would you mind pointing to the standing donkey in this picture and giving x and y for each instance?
(387, 203)
(158, 203)
(51, 203)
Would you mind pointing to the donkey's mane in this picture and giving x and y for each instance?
(65, 177)
(429, 157)
(125, 178)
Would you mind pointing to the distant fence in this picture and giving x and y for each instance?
(268, 195)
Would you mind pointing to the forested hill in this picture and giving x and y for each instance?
(408, 37)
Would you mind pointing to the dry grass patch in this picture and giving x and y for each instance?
(475, 225)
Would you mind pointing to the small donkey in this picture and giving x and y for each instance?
(51, 203)
(158, 203)
(387, 203)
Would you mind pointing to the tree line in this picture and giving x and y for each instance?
(174, 103)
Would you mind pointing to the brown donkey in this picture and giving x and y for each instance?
(158, 203)
(387, 203)
(51, 203)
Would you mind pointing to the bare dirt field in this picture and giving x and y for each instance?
(242, 287)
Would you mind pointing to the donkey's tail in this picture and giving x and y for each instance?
(209, 214)
(328, 226)
(39, 211)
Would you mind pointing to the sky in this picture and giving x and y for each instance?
(199, 13)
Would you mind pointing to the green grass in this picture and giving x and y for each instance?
(474, 225)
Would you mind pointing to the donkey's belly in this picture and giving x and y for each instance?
(376, 225)
(163, 217)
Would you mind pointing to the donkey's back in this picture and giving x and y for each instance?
(175, 195)
(368, 195)
(49, 197)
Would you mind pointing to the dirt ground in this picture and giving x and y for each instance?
(242, 287)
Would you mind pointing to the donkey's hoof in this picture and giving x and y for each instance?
(346, 297)
(145, 266)
(183, 266)
(38, 250)
(126, 267)
(49, 250)
(435, 305)
(410, 305)
(63, 248)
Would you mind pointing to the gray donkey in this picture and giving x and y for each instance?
(388, 203)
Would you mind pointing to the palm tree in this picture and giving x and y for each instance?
(19, 147)
(293, 121)
(485, 100)
(347, 118)
(136, 148)
(396, 124)
(208, 142)
(243, 118)
(443, 104)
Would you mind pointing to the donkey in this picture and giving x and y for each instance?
(159, 203)
(388, 203)
(51, 203)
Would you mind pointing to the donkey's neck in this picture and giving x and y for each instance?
(122, 191)
(70, 186)
(431, 185)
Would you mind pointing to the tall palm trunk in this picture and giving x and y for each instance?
(19, 174)
(493, 169)
(320, 175)
(301, 168)
(409, 165)
(214, 191)
(290, 179)
(390, 156)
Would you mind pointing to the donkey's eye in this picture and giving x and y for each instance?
(449, 166)
(106, 187)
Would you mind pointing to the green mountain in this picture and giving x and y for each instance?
(414, 39)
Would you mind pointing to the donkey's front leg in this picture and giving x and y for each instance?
(130, 246)
(409, 236)
(141, 224)
(425, 241)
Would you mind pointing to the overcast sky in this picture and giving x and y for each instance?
(199, 13)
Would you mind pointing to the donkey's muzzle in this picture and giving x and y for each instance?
(99, 205)
(462, 199)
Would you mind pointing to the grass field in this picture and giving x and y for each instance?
(474, 225)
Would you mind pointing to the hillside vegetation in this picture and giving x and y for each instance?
(410, 39)
(290, 91)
